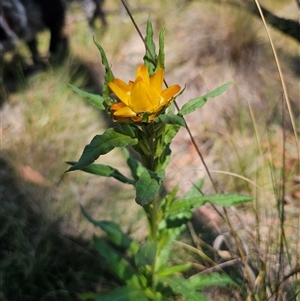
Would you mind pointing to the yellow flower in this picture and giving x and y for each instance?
(143, 95)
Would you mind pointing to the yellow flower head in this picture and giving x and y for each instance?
(143, 95)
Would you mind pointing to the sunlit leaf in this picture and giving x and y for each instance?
(147, 186)
(174, 270)
(198, 102)
(124, 293)
(94, 99)
(100, 145)
(195, 191)
(181, 287)
(199, 282)
(168, 199)
(227, 200)
(109, 77)
(187, 205)
(165, 241)
(150, 56)
(161, 52)
(170, 119)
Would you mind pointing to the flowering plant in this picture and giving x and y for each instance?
(146, 119)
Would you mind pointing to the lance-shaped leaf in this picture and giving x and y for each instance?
(198, 102)
(165, 241)
(105, 171)
(199, 282)
(109, 77)
(161, 51)
(94, 99)
(150, 56)
(170, 119)
(174, 270)
(147, 186)
(186, 206)
(124, 293)
(181, 287)
(195, 191)
(102, 144)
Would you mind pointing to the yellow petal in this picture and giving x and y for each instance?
(131, 83)
(156, 80)
(168, 93)
(117, 106)
(143, 98)
(124, 112)
(119, 92)
(122, 85)
(142, 72)
(136, 118)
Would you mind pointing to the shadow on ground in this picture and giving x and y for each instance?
(37, 262)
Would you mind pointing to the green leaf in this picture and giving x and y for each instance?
(109, 77)
(162, 157)
(124, 293)
(100, 145)
(170, 119)
(135, 166)
(87, 296)
(195, 191)
(94, 99)
(187, 205)
(227, 200)
(168, 199)
(170, 132)
(174, 270)
(198, 102)
(150, 56)
(117, 264)
(114, 233)
(181, 287)
(105, 171)
(182, 206)
(147, 186)
(146, 254)
(199, 282)
(161, 51)
(165, 241)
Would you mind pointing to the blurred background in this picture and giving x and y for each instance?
(45, 243)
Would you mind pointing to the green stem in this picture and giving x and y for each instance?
(151, 209)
